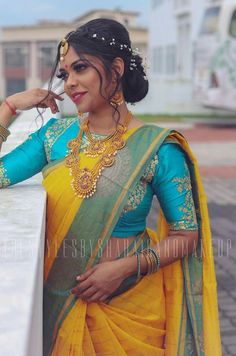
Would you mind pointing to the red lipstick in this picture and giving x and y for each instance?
(77, 96)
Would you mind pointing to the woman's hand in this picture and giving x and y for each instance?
(37, 97)
(96, 284)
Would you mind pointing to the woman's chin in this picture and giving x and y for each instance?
(81, 108)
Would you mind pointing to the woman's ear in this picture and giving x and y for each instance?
(118, 68)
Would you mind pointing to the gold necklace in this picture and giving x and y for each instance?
(84, 182)
(96, 147)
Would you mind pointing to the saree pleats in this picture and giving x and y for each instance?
(172, 312)
(129, 324)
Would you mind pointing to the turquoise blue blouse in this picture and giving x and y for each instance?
(167, 177)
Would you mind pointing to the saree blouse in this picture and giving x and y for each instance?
(167, 176)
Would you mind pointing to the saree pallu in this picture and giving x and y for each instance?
(172, 312)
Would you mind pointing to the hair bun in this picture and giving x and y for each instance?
(134, 82)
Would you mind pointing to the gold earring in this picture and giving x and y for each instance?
(117, 99)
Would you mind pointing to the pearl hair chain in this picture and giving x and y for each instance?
(122, 47)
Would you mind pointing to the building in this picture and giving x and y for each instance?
(27, 53)
(174, 28)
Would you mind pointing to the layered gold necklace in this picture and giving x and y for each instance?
(84, 181)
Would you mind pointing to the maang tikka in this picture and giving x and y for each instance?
(64, 47)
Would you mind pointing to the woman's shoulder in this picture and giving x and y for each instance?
(170, 149)
(55, 127)
(64, 122)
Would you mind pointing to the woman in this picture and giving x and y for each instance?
(112, 286)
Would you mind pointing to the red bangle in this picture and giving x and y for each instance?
(13, 110)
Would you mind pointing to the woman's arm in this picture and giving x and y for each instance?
(172, 186)
(177, 245)
(28, 158)
(24, 101)
(99, 282)
(5, 118)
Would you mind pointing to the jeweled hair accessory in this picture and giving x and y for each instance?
(123, 47)
(113, 42)
(64, 47)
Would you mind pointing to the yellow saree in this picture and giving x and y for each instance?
(172, 312)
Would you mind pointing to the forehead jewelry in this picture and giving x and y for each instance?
(64, 47)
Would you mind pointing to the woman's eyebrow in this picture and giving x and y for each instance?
(72, 64)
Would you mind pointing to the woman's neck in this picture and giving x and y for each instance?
(103, 122)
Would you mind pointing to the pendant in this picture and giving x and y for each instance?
(95, 148)
(71, 160)
(107, 160)
(84, 184)
(118, 143)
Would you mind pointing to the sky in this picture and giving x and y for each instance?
(26, 12)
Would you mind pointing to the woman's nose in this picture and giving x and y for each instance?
(71, 81)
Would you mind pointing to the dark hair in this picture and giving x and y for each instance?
(134, 82)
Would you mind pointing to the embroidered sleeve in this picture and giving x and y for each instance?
(4, 180)
(136, 197)
(54, 131)
(25, 160)
(172, 186)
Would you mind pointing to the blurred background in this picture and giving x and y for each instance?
(189, 49)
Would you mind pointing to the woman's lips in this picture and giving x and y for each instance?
(78, 97)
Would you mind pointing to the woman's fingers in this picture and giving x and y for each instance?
(82, 287)
(36, 97)
(53, 106)
(88, 293)
(85, 275)
(56, 96)
(49, 102)
(104, 298)
(48, 99)
(95, 298)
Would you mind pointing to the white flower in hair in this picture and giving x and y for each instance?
(136, 51)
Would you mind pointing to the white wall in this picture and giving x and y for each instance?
(173, 93)
(22, 231)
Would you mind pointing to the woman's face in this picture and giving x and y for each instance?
(82, 82)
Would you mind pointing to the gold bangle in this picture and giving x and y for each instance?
(4, 132)
(3, 138)
(149, 261)
(152, 261)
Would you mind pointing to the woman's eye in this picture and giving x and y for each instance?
(62, 75)
(79, 67)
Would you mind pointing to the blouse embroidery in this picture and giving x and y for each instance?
(136, 197)
(189, 220)
(54, 132)
(4, 180)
